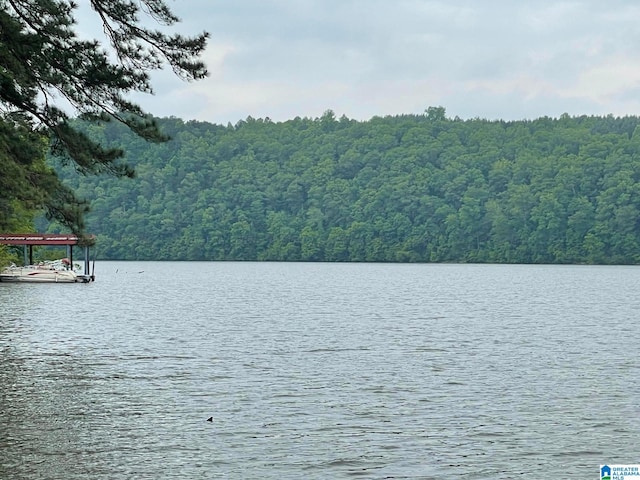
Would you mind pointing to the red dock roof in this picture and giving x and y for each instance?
(41, 239)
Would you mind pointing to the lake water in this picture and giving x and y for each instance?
(321, 371)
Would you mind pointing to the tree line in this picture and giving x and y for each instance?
(49, 75)
(406, 188)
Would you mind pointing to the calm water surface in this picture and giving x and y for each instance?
(321, 371)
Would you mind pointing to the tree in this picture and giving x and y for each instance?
(436, 113)
(47, 73)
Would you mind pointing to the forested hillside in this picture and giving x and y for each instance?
(409, 188)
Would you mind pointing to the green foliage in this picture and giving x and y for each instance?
(27, 182)
(411, 188)
(45, 69)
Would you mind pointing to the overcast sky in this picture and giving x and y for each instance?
(360, 58)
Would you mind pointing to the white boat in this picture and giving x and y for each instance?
(58, 271)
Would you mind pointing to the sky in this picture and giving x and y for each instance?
(490, 59)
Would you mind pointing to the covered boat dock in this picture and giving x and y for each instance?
(29, 240)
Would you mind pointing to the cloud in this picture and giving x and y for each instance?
(608, 79)
(490, 59)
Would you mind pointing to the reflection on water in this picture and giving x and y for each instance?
(320, 371)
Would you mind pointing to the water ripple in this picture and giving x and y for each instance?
(320, 371)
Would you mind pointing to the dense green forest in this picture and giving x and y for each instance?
(407, 188)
